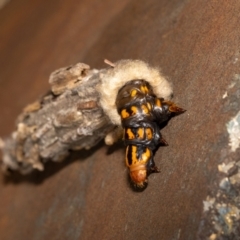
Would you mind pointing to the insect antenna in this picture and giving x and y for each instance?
(109, 63)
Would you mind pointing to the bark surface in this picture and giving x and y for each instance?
(67, 118)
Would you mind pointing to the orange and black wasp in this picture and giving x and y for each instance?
(142, 115)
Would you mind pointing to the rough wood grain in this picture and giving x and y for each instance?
(67, 118)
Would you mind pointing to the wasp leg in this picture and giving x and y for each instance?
(155, 169)
(160, 138)
(163, 142)
(152, 168)
(164, 110)
(173, 108)
(114, 136)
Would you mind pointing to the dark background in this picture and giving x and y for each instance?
(196, 44)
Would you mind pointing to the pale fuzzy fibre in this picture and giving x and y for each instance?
(113, 79)
(114, 136)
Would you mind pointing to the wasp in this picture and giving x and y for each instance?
(142, 115)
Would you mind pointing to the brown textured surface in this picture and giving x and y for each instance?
(87, 196)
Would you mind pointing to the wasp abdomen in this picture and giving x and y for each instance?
(140, 134)
(137, 160)
(137, 155)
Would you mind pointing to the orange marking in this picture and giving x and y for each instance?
(142, 88)
(149, 106)
(135, 162)
(146, 155)
(126, 156)
(134, 154)
(158, 102)
(134, 110)
(149, 133)
(124, 113)
(133, 93)
(140, 133)
(145, 109)
(146, 89)
(130, 134)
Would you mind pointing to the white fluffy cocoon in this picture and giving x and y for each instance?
(112, 79)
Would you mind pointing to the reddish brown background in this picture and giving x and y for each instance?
(196, 43)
